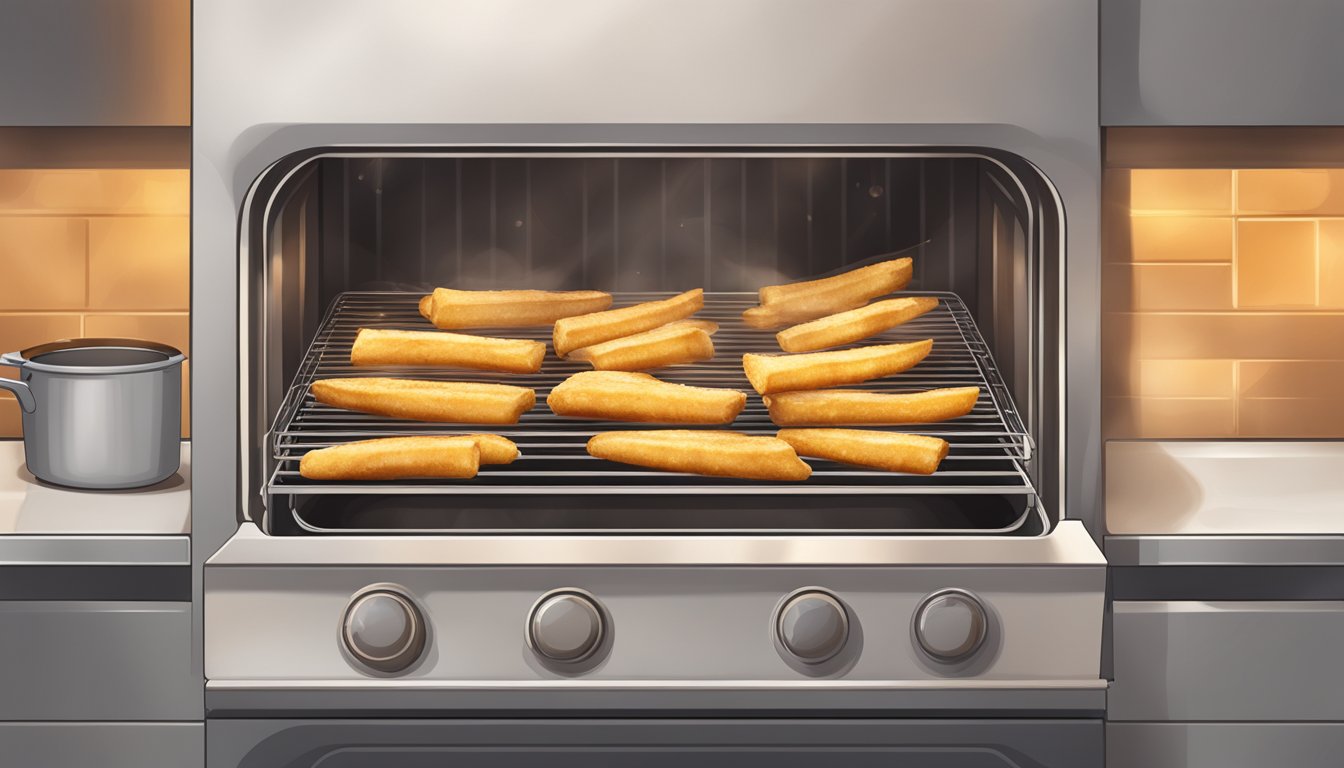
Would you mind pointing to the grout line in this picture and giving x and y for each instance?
(1318, 262)
(1236, 227)
(48, 213)
(1236, 395)
(88, 266)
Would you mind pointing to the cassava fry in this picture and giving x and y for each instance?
(639, 397)
(769, 374)
(451, 401)
(671, 344)
(894, 452)
(895, 272)
(431, 348)
(394, 458)
(723, 454)
(494, 449)
(853, 325)
(848, 406)
(427, 306)
(572, 333)
(453, 309)
(799, 302)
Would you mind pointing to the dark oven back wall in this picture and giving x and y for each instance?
(643, 224)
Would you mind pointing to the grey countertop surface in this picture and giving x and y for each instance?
(42, 524)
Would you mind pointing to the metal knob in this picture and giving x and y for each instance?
(383, 629)
(565, 626)
(951, 625)
(812, 626)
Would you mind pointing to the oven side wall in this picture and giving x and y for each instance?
(272, 79)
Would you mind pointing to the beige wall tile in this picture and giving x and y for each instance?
(1291, 417)
(1186, 378)
(1291, 191)
(1259, 336)
(1181, 190)
(171, 329)
(1276, 264)
(174, 330)
(1290, 378)
(1180, 238)
(95, 191)
(11, 419)
(42, 262)
(1134, 417)
(1331, 235)
(139, 263)
(1166, 287)
(20, 331)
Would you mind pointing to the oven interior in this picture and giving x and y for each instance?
(337, 239)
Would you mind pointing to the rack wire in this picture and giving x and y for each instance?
(988, 447)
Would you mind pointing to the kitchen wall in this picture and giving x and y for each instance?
(1224, 299)
(92, 251)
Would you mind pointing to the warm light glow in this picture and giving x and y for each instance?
(1224, 304)
(93, 252)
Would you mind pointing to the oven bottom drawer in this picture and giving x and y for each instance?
(580, 743)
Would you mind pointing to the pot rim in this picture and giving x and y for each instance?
(24, 359)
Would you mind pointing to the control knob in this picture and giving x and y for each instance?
(566, 626)
(812, 626)
(950, 625)
(383, 629)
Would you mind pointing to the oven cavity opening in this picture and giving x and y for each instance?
(336, 240)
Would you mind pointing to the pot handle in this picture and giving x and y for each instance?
(19, 388)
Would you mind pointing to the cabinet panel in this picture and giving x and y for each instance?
(1223, 745)
(1193, 661)
(67, 660)
(1221, 62)
(103, 745)
(96, 62)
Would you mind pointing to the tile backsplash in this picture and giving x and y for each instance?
(93, 252)
(1223, 302)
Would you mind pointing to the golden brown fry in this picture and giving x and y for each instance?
(799, 302)
(494, 449)
(453, 309)
(848, 406)
(623, 396)
(708, 326)
(896, 272)
(432, 348)
(671, 344)
(768, 317)
(572, 333)
(460, 402)
(427, 306)
(723, 454)
(892, 451)
(394, 458)
(769, 374)
(853, 325)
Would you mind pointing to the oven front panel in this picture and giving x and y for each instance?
(576, 743)
(663, 627)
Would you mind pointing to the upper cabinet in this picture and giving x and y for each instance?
(1222, 62)
(95, 62)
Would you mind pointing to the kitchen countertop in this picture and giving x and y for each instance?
(43, 524)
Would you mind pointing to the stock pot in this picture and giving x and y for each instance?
(99, 413)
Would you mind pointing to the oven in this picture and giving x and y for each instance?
(575, 608)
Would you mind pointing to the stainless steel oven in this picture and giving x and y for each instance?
(890, 618)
